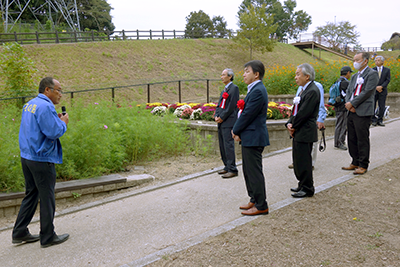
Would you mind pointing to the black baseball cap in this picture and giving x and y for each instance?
(345, 69)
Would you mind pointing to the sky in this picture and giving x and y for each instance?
(375, 20)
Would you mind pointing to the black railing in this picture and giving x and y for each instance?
(72, 93)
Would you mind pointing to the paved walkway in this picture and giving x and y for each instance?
(145, 224)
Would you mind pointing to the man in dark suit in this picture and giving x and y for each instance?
(381, 90)
(360, 104)
(225, 116)
(251, 130)
(301, 127)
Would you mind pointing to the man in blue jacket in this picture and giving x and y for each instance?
(41, 128)
(251, 129)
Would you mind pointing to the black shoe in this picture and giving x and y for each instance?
(381, 124)
(28, 239)
(374, 123)
(56, 240)
(301, 194)
(222, 172)
(295, 189)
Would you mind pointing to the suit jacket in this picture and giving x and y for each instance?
(251, 126)
(305, 121)
(229, 113)
(364, 102)
(384, 79)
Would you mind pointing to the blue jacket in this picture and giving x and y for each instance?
(251, 125)
(39, 132)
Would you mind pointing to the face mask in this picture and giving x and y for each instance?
(357, 65)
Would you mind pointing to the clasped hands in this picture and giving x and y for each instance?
(290, 129)
(350, 107)
(235, 137)
(218, 119)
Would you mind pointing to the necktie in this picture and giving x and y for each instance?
(380, 72)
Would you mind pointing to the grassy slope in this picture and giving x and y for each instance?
(101, 64)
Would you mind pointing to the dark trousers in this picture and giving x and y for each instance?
(40, 180)
(358, 139)
(340, 128)
(227, 148)
(254, 176)
(381, 99)
(302, 165)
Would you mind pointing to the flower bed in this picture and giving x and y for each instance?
(205, 111)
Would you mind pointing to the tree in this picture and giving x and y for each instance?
(95, 15)
(289, 23)
(338, 34)
(198, 25)
(255, 30)
(220, 30)
(17, 71)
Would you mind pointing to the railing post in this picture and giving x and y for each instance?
(148, 93)
(150, 35)
(16, 37)
(112, 94)
(108, 34)
(162, 33)
(76, 37)
(72, 95)
(208, 91)
(174, 35)
(123, 35)
(37, 38)
(92, 35)
(180, 92)
(57, 40)
(23, 101)
(137, 34)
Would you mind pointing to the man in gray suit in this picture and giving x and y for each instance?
(360, 104)
(225, 116)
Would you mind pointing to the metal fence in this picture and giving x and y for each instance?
(113, 90)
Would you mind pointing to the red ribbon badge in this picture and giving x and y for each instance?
(358, 90)
(225, 95)
(240, 105)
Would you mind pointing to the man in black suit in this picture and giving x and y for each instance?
(360, 104)
(251, 130)
(225, 116)
(301, 127)
(381, 90)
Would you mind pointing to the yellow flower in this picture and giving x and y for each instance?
(272, 104)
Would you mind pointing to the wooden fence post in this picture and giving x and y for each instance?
(162, 33)
(16, 37)
(37, 38)
(57, 40)
(174, 35)
(76, 37)
(92, 35)
(137, 33)
(180, 92)
(150, 35)
(208, 91)
(148, 93)
(123, 35)
(112, 94)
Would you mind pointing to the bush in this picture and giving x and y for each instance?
(101, 138)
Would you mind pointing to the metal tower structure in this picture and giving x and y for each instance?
(66, 8)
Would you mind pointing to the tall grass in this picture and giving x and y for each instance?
(101, 138)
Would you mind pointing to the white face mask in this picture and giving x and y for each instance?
(357, 65)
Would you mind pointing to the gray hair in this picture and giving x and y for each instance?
(46, 82)
(230, 73)
(381, 57)
(307, 69)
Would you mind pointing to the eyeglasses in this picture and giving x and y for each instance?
(58, 90)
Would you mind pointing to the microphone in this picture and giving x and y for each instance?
(64, 111)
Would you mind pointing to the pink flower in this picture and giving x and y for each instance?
(96, 103)
(105, 127)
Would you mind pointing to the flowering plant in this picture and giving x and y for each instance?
(196, 114)
(159, 110)
(178, 111)
(186, 113)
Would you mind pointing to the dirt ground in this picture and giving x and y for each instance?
(356, 223)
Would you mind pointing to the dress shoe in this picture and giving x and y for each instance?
(291, 166)
(341, 147)
(360, 170)
(229, 175)
(246, 207)
(350, 168)
(254, 211)
(381, 124)
(222, 172)
(295, 189)
(301, 194)
(373, 124)
(28, 239)
(56, 240)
